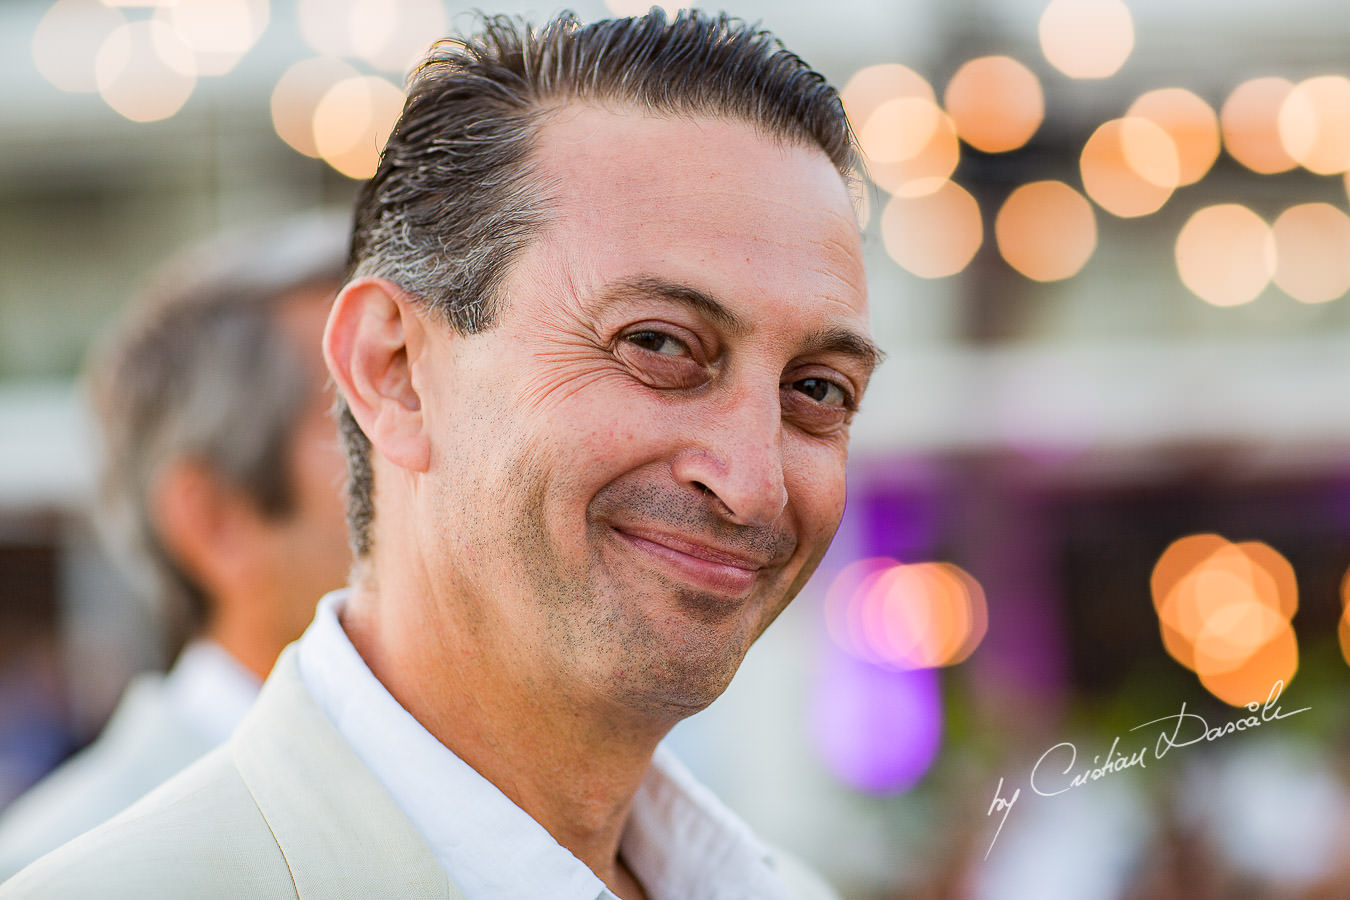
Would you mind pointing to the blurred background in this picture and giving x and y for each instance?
(1104, 476)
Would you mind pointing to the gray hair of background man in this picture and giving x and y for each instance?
(454, 199)
(199, 370)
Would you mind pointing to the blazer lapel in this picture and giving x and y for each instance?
(339, 830)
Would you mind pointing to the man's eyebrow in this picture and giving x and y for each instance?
(847, 342)
(837, 339)
(675, 292)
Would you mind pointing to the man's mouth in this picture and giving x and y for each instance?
(708, 567)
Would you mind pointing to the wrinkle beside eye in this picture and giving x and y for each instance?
(658, 369)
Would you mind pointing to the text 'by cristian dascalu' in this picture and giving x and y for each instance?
(1058, 770)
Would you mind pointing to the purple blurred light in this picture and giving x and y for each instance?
(877, 729)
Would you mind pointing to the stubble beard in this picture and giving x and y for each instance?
(656, 648)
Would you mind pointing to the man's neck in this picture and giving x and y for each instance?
(574, 766)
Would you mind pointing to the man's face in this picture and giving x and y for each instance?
(641, 463)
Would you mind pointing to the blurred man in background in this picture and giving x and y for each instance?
(220, 482)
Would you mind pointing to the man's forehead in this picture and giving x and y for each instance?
(625, 140)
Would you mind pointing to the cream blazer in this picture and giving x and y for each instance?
(145, 742)
(285, 809)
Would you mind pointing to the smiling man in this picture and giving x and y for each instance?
(604, 336)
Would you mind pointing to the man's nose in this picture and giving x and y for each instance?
(738, 458)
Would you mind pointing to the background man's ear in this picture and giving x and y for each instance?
(374, 331)
(207, 526)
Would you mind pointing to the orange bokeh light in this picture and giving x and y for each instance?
(1046, 230)
(934, 235)
(352, 122)
(1312, 252)
(1314, 124)
(1250, 123)
(1223, 612)
(1225, 254)
(145, 71)
(1129, 167)
(911, 147)
(1343, 631)
(995, 102)
(1251, 682)
(869, 88)
(1086, 38)
(1191, 124)
(297, 95)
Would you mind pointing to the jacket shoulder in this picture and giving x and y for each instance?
(143, 744)
(198, 835)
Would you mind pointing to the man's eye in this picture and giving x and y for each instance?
(657, 342)
(822, 391)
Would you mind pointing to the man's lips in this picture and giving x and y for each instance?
(717, 569)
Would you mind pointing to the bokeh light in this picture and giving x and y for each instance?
(1224, 612)
(1225, 254)
(394, 36)
(1087, 38)
(1343, 631)
(325, 25)
(916, 615)
(1189, 121)
(1312, 252)
(995, 102)
(910, 146)
(352, 122)
(1250, 122)
(1129, 167)
(934, 235)
(877, 729)
(1046, 230)
(145, 72)
(1315, 124)
(1252, 681)
(219, 32)
(297, 95)
(872, 86)
(638, 7)
(67, 39)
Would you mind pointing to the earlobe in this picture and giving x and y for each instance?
(374, 332)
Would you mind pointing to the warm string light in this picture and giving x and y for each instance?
(1343, 629)
(1224, 612)
(1046, 231)
(995, 102)
(1086, 38)
(144, 59)
(1225, 254)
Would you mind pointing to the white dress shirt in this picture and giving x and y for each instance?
(680, 841)
(210, 689)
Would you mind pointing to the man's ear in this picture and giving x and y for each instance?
(205, 525)
(373, 333)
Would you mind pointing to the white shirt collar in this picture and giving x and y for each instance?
(680, 841)
(210, 689)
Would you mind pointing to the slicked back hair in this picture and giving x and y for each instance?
(200, 370)
(454, 199)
